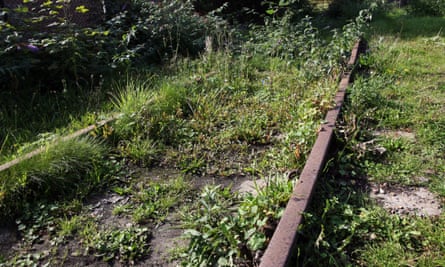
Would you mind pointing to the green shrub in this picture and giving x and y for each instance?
(152, 31)
(427, 7)
(249, 10)
(146, 32)
(302, 43)
(346, 8)
(44, 51)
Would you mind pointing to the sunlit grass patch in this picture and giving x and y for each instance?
(414, 99)
(393, 136)
(420, 245)
(64, 169)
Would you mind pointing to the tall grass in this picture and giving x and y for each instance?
(28, 118)
(62, 171)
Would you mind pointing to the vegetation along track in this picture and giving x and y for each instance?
(185, 133)
(281, 248)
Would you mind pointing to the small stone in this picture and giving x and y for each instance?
(423, 179)
(76, 254)
(115, 199)
(381, 150)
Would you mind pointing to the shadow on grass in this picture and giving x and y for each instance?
(26, 114)
(405, 26)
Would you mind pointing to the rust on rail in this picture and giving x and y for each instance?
(281, 248)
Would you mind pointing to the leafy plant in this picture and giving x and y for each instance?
(211, 229)
(37, 220)
(124, 245)
(153, 201)
(153, 32)
(345, 227)
(232, 229)
(63, 49)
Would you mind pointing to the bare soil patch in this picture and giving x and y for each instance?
(166, 236)
(403, 200)
(396, 134)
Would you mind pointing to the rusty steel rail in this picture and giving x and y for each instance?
(36, 152)
(281, 248)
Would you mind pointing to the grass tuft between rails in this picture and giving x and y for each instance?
(63, 170)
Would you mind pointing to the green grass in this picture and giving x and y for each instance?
(412, 102)
(27, 117)
(247, 113)
(153, 201)
(400, 89)
(398, 23)
(220, 104)
(63, 170)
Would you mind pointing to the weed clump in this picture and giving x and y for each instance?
(230, 229)
(64, 170)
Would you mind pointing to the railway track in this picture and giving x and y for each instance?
(281, 249)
